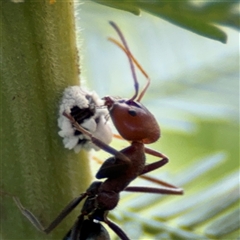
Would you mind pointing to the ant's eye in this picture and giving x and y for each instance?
(132, 112)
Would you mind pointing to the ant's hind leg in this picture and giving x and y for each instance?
(158, 181)
(172, 191)
(122, 235)
(35, 222)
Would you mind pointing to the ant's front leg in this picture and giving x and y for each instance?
(35, 222)
(97, 141)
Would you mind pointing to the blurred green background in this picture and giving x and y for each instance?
(194, 94)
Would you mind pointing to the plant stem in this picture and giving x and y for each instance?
(40, 60)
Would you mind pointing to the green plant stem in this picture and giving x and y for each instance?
(40, 59)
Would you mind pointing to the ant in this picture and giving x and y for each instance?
(135, 124)
(101, 197)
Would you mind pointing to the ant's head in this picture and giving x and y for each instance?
(132, 120)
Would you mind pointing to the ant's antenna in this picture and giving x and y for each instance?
(129, 54)
(136, 85)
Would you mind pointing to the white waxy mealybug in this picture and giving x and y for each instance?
(86, 108)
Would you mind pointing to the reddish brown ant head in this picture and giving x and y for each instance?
(132, 120)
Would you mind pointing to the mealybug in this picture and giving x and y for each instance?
(86, 108)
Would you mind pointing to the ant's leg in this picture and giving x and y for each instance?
(116, 229)
(152, 166)
(75, 231)
(97, 141)
(118, 137)
(148, 178)
(89, 229)
(173, 191)
(158, 181)
(35, 222)
(149, 167)
(97, 160)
